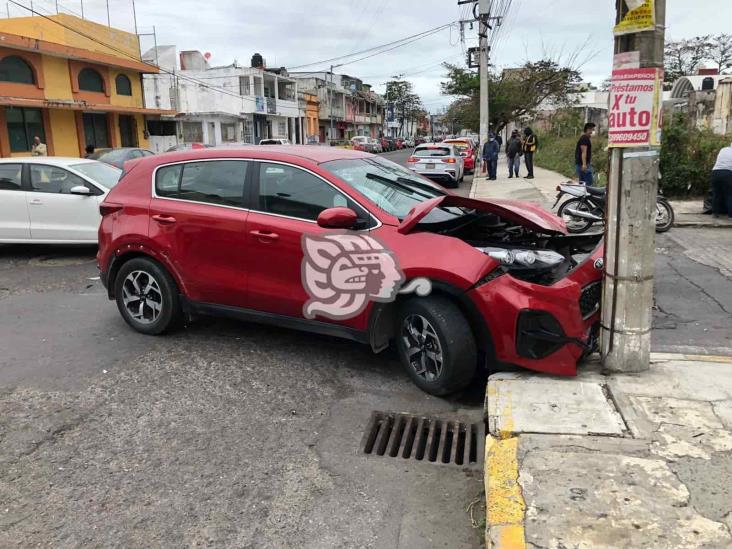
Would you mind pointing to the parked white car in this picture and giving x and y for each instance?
(440, 162)
(275, 141)
(375, 146)
(52, 200)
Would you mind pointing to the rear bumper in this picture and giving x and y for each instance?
(449, 176)
(543, 328)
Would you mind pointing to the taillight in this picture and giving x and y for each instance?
(412, 160)
(450, 160)
(106, 208)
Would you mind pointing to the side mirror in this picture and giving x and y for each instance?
(80, 190)
(337, 218)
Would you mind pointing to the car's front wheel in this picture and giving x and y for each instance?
(147, 296)
(436, 344)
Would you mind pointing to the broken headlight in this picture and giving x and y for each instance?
(525, 259)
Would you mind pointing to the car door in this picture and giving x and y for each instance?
(198, 220)
(55, 213)
(14, 218)
(285, 206)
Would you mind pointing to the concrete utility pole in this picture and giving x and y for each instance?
(330, 105)
(483, 14)
(630, 228)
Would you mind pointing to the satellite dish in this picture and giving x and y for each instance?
(207, 55)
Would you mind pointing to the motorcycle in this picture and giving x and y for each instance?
(587, 207)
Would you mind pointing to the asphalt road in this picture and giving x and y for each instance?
(223, 434)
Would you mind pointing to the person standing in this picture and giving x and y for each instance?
(513, 153)
(530, 145)
(722, 183)
(39, 148)
(491, 149)
(583, 155)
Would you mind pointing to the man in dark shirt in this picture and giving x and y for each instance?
(583, 155)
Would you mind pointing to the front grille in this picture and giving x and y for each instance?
(424, 439)
(590, 299)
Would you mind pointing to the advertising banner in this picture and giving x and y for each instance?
(641, 17)
(635, 108)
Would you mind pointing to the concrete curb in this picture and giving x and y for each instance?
(505, 504)
(702, 225)
(505, 507)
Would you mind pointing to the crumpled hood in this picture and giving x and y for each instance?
(520, 212)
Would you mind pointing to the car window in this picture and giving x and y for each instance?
(99, 172)
(52, 179)
(215, 182)
(148, 153)
(432, 151)
(10, 177)
(135, 154)
(290, 191)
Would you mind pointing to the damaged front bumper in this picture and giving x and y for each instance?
(544, 328)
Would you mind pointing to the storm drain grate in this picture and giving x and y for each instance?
(424, 439)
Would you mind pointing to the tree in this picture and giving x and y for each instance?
(720, 52)
(407, 105)
(682, 57)
(514, 93)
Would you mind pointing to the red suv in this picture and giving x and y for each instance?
(349, 244)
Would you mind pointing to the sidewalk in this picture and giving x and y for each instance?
(640, 460)
(542, 190)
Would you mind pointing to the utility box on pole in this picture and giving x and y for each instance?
(632, 187)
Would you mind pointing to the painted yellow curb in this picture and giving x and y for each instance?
(691, 358)
(505, 507)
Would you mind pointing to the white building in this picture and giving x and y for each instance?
(218, 105)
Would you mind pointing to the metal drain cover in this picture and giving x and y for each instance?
(427, 439)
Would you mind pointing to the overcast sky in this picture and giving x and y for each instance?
(294, 32)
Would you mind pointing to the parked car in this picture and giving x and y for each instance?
(276, 141)
(441, 163)
(467, 150)
(385, 144)
(208, 232)
(118, 157)
(392, 143)
(409, 143)
(361, 143)
(399, 143)
(375, 146)
(52, 200)
(188, 147)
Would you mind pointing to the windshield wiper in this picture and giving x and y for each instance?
(420, 185)
(398, 183)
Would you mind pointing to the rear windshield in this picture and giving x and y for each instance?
(460, 145)
(432, 151)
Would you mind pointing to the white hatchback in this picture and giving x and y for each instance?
(440, 162)
(52, 200)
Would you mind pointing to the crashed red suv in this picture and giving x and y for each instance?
(349, 244)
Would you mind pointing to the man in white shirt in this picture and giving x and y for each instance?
(722, 183)
(39, 148)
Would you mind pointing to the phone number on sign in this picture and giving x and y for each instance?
(628, 137)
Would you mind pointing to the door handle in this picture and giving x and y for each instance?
(36, 202)
(264, 235)
(164, 219)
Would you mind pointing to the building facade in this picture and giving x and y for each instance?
(218, 105)
(348, 107)
(70, 90)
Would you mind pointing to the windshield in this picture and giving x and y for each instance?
(98, 172)
(460, 145)
(391, 187)
(113, 155)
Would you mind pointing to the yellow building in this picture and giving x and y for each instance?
(312, 113)
(71, 82)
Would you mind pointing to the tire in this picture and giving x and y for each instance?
(142, 276)
(575, 225)
(664, 225)
(446, 334)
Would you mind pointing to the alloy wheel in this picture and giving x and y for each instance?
(142, 297)
(422, 346)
